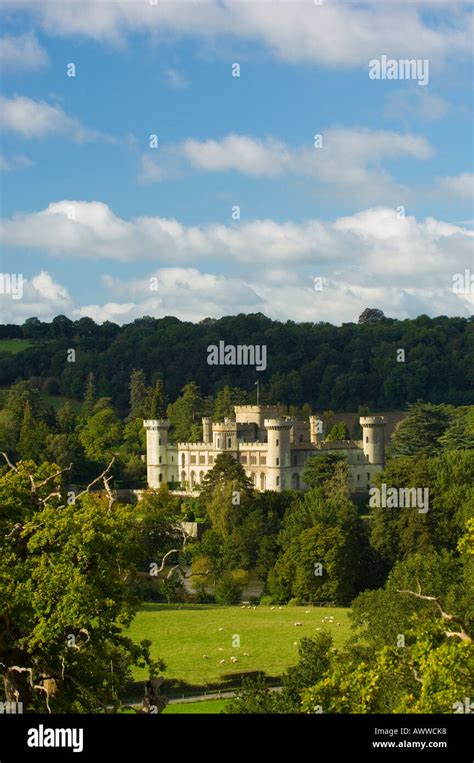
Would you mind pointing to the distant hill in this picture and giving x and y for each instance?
(329, 367)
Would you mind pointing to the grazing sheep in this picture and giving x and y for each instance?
(220, 629)
(249, 607)
(272, 608)
(242, 606)
(295, 643)
(246, 654)
(307, 611)
(220, 648)
(221, 662)
(298, 623)
(280, 607)
(318, 629)
(233, 659)
(205, 657)
(254, 607)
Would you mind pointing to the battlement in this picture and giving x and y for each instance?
(278, 423)
(370, 421)
(157, 423)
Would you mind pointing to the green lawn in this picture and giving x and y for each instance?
(206, 707)
(182, 635)
(14, 346)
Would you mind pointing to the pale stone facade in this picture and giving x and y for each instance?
(273, 449)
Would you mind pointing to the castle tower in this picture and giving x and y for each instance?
(373, 435)
(207, 429)
(316, 430)
(278, 453)
(225, 436)
(157, 452)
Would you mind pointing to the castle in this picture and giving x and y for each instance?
(272, 448)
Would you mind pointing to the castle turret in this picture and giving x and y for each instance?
(278, 453)
(207, 429)
(157, 452)
(373, 435)
(316, 430)
(225, 436)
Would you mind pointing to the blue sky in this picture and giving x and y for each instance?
(90, 213)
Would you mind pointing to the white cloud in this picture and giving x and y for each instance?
(22, 52)
(37, 119)
(373, 246)
(336, 33)
(350, 160)
(457, 186)
(415, 101)
(42, 297)
(176, 79)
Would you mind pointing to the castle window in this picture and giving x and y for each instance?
(202, 458)
(368, 476)
(229, 442)
(277, 443)
(159, 459)
(182, 459)
(301, 438)
(218, 443)
(263, 460)
(160, 478)
(243, 459)
(367, 439)
(295, 459)
(211, 459)
(277, 480)
(159, 441)
(358, 477)
(278, 462)
(193, 458)
(253, 458)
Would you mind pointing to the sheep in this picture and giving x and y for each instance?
(298, 623)
(221, 662)
(246, 654)
(220, 648)
(307, 611)
(295, 643)
(233, 659)
(272, 608)
(205, 657)
(280, 607)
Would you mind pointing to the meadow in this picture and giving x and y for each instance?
(205, 707)
(197, 641)
(14, 346)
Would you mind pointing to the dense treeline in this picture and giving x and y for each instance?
(325, 366)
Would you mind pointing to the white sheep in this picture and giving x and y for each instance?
(233, 659)
(246, 654)
(221, 662)
(298, 623)
(220, 629)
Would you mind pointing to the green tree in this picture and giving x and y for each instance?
(33, 435)
(101, 435)
(318, 469)
(419, 433)
(185, 412)
(158, 401)
(90, 397)
(64, 599)
(338, 432)
(139, 395)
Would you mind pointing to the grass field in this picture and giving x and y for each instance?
(182, 635)
(206, 707)
(14, 346)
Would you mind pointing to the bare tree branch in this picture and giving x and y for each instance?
(462, 634)
(96, 480)
(9, 462)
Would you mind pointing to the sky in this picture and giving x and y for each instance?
(162, 157)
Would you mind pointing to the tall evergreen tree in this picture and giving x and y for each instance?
(139, 395)
(90, 396)
(158, 401)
